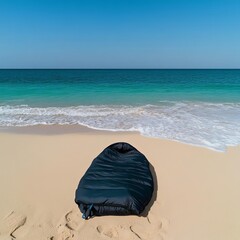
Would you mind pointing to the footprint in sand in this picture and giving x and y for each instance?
(115, 232)
(11, 224)
(110, 232)
(71, 223)
(64, 233)
(73, 220)
(151, 228)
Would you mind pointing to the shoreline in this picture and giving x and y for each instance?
(57, 129)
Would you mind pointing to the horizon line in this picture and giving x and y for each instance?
(119, 68)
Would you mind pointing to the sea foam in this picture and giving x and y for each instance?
(212, 125)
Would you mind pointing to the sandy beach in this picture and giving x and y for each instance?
(196, 196)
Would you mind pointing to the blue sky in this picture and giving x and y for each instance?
(119, 34)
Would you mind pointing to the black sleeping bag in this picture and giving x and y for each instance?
(118, 182)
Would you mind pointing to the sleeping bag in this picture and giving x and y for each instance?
(118, 182)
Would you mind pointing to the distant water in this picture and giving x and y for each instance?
(200, 107)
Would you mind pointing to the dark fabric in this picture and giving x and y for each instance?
(118, 182)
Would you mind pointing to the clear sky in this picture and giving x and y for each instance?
(119, 34)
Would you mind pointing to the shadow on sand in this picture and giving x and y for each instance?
(154, 196)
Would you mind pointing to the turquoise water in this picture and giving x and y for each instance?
(200, 107)
(77, 87)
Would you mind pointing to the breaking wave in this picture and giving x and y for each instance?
(212, 125)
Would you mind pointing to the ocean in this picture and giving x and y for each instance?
(199, 107)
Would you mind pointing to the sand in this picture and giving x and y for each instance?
(197, 192)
